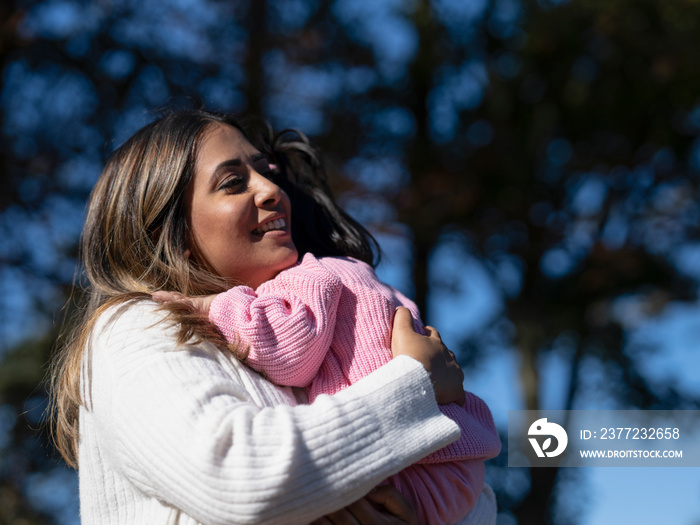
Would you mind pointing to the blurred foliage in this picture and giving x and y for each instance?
(553, 143)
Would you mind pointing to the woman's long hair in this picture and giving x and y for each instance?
(135, 238)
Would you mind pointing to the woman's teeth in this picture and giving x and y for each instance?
(277, 224)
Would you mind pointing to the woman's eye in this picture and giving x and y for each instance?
(231, 183)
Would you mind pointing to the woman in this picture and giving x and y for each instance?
(173, 427)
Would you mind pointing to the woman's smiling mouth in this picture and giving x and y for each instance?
(275, 224)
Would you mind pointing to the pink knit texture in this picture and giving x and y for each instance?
(325, 323)
(433, 489)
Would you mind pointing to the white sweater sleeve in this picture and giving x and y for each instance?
(187, 427)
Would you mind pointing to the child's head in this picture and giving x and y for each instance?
(319, 225)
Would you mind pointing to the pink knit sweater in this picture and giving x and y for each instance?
(325, 323)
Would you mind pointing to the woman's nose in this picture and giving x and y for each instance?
(267, 193)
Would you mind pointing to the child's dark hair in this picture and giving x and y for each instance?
(319, 225)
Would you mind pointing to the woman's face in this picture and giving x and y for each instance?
(239, 219)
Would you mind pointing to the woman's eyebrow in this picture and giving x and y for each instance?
(225, 164)
(221, 169)
(234, 163)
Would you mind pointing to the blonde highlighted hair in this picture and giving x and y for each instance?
(133, 244)
(135, 239)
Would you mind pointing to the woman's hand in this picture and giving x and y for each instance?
(384, 505)
(431, 352)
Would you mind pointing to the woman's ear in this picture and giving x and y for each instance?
(187, 253)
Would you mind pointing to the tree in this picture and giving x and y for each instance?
(554, 143)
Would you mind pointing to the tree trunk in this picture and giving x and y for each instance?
(254, 69)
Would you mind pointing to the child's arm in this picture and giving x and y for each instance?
(479, 438)
(287, 323)
(200, 303)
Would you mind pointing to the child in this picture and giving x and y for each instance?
(323, 324)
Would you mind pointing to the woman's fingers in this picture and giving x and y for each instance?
(321, 521)
(430, 351)
(395, 503)
(341, 517)
(432, 332)
(383, 506)
(364, 513)
(402, 331)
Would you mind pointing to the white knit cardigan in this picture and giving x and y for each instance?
(189, 435)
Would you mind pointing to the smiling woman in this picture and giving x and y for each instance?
(231, 205)
(160, 413)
